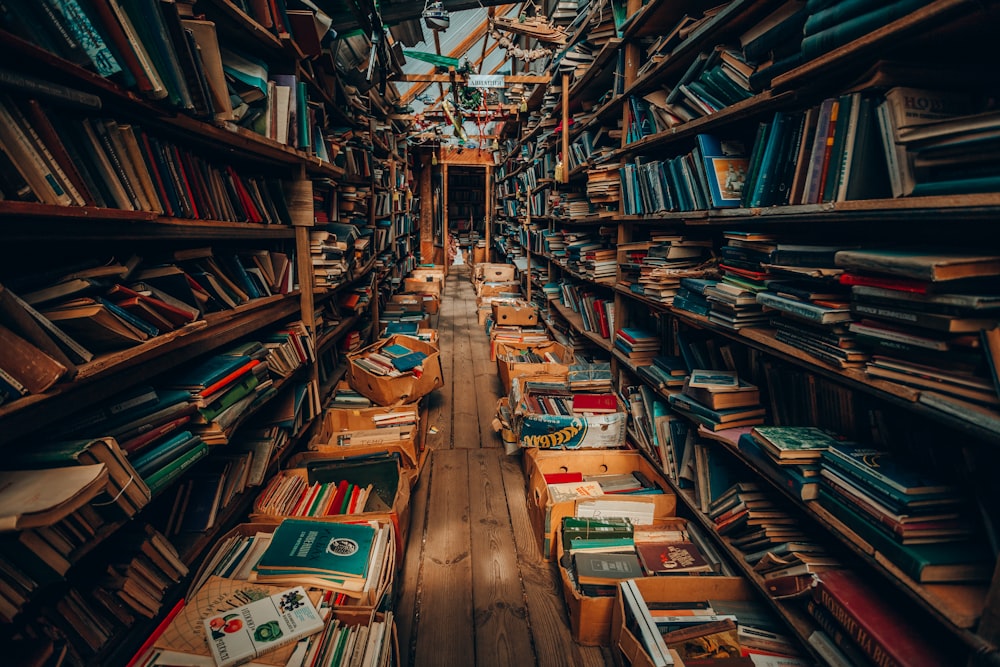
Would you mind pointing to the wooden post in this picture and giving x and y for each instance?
(444, 216)
(488, 203)
(527, 249)
(565, 127)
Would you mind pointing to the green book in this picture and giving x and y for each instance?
(162, 478)
(317, 547)
(238, 391)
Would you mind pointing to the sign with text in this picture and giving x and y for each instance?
(486, 81)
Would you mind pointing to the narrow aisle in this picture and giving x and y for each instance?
(474, 589)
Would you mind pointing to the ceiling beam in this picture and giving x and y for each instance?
(456, 52)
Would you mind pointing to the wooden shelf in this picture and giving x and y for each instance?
(576, 321)
(103, 377)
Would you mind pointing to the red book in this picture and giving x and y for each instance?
(135, 445)
(338, 500)
(189, 196)
(603, 403)
(885, 282)
(154, 171)
(563, 477)
(229, 379)
(176, 316)
(880, 630)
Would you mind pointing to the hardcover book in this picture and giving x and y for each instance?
(261, 626)
(672, 558)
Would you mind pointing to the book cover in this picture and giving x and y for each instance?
(258, 627)
(877, 627)
(672, 558)
(304, 546)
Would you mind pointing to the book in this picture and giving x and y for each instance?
(258, 627)
(332, 548)
(920, 264)
(878, 628)
(32, 498)
(671, 558)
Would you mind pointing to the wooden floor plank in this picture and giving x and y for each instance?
(465, 416)
(446, 635)
(409, 573)
(440, 414)
(502, 636)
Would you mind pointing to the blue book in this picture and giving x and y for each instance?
(208, 372)
(395, 351)
(122, 314)
(409, 361)
(768, 160)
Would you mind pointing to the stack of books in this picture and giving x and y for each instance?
(590, 377)
(349, 558)
(917, 521)
(738, 402)
(922, 312)
(734, 306)
(759, 524)
(789, 454)
(392, 361)
(638, 345)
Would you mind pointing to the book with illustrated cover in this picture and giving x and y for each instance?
(246, 632)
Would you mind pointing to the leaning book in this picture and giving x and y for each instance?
(244, 633)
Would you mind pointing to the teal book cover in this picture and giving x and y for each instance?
(315, 547)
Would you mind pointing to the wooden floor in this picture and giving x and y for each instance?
(474, 588)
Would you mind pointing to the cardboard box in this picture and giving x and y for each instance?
(353, 611)
(590, 616)
(422, 286)
(602, 431)
(408, 388)
(510, 336)
(390, 482)
(626, 646)
(493, 272)
(511, 369)
(341, 421)
(425, 303)
(520, 313)
(546, 515)
(478, 255)
(498, 288)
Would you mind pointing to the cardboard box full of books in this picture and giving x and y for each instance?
(385, 485)
(407, 387)
(516, 312)
(563, 431)
(363, 431)
(590, 615)
(498, 288)
(508, 369)
(546, 511)
(219, 563)
(628, 645)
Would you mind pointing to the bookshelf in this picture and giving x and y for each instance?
(644, 67)
(287, 228)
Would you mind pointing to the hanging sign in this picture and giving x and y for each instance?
(486, 81)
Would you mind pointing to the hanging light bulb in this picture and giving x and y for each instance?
(434, 158)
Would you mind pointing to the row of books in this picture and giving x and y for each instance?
(597, 313)
(68, 315)
(57, 158)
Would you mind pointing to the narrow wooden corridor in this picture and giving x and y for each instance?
(474, 589)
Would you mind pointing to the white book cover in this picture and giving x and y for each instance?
(239, 635)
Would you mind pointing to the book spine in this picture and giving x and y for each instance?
(79, 24)
(835, 633)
